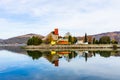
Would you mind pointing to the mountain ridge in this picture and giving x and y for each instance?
(22, 39)
(115, 35)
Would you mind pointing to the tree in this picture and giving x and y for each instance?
(114, 42)
(114, 46)
(105, 53)
(74, 40)
(35, 40)
(70, 39)
(35, 54)
(48, 40)
(94, 40)
(105, 40)
(85, 39)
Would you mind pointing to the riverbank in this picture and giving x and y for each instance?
(74, 47)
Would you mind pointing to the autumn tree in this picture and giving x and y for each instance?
(114, 42)
(48, 40)
(74, 40)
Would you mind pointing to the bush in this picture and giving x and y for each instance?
(105, 40)
(35, 40)
(114, 46)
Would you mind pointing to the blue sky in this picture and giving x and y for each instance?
(18, 17)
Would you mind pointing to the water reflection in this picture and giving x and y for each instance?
(73, 65)
(54, 56)
(15, 49)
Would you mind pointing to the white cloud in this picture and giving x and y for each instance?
(75, 16)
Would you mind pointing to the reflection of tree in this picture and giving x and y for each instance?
(88, 54)
(73, 54)
(116, 53)
(35, 54)
(68, 55)
(94, 54)
(86, 57)
(105, 53)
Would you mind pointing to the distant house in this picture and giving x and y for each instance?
(59, 40)
(55, 36)
(80, 42)
(62, 41)
(53, 42)
(86, 43)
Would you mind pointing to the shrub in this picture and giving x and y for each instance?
(35, 40)
(114, 46)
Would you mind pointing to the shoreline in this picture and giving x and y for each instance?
(74, 47)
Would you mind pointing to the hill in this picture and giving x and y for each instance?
(24, 38)
(20, 39)
(1, 40)
(113, 35)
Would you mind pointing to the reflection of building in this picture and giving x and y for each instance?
(68, 55)
(54, 56)
(64, 52)
(56, 62)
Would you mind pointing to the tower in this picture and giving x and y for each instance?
(56, 31)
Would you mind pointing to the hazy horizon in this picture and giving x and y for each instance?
(42, 16)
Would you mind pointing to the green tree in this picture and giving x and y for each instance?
(70, 39)
(115, 46)
(105, 53)
(35, 40)
(85, 39)
(105, 40)
(94, 40)
(35, 54)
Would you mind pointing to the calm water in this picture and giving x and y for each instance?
(17, 64)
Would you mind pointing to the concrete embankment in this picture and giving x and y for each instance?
(82, 47)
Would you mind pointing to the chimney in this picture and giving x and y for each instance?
(56, 31)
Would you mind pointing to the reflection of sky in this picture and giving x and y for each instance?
(21, 67)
